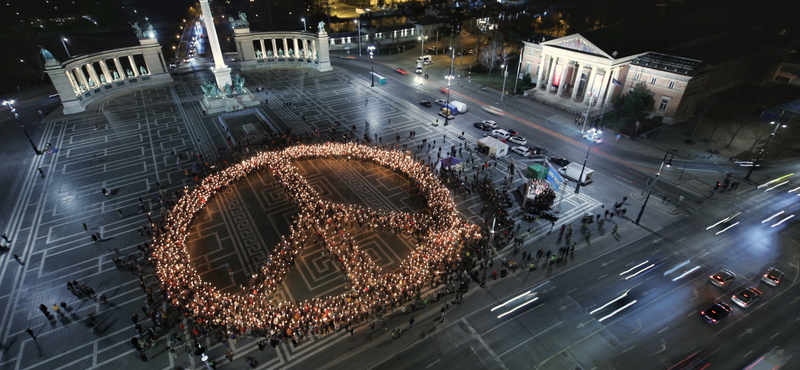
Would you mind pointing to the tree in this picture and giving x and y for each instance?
(757, 133)
(490, 54)
(734, 128)
(634, 104)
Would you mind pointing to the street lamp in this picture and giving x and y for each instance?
(10, 104)
(372, 64)
(580, 177)
(583, 127)
(760, 152)
(304, 24)
(670, 153)
(358, 29)
(505, 75)
(422, 51)
(63, 41)
(449, 80)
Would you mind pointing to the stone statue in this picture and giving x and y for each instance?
(259, 54)
(116, 75)
(269, 53)
(243, 20)
(234, 22)
(321, 26)
(291, 52)
(102, 79)
(137, 30)
(227, 89)
(238, 84)
(151, 32)
(280, 52)
(46, 54)
(129, 72)
(91, 81)
(81, 87)
(142, 70)
(204, 86)
(301, 53)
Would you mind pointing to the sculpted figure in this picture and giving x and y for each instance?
(46, 53)
(321, 26)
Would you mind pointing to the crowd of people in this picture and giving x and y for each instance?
(440, 233)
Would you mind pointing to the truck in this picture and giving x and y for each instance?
(461, 107)
(573, 172)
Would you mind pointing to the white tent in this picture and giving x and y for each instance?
(494, 148)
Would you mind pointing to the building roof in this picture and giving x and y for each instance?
(670, 63)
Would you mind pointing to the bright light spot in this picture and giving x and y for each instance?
(686, 273)
(640, 271)
(782, 221)
(610, 302)
(633, 268)
(783, 183)
(726, 229)
(724, 220)
(618, 310)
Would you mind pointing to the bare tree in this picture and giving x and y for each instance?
(734, 128)
(490, 54)
(757, 134)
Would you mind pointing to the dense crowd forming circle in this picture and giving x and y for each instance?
(440, 234)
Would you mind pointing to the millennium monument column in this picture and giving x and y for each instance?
(225, 94)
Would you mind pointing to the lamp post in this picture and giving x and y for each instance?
(449, 79)
(10, 104)
(358, 31)
(422, 51)
(760, 152)
(519, 67)
(583, 127)
(580, 177)
(670, 153)
(372, 64)
(304, 24)
(63, 42)
(505, 75)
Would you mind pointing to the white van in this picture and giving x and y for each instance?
(419, 68)
(501, 134)
(425, 59)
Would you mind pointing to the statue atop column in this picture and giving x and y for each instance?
(48, 56)
(137, 30)
(243, 20)
(151, 32)
(238, 84)
(142, 70)
(321, 26)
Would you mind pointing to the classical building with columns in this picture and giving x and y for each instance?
(84, 79)
(270, 49)
(679, 67)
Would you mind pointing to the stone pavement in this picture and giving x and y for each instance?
(139, 145)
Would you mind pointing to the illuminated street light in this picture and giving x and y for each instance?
(505, 75)
(358, 30)
(304, 24)
(372, 64)
(10, 104)
(760, 152)
(63, 41)
(670, 153)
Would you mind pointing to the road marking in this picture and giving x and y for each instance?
(774, 335)
(562, 308)
(606, 263)
(662, 330)
(529, 339)
(583, 324)
(684, 263)
(572, 290)
(480, 340)
(628, 349)
(602, 276)
(513, 318)
(747, 354)
(434, 363)
(638, 326)
(746, 331)
(663, 347)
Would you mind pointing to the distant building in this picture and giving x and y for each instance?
(679, 65)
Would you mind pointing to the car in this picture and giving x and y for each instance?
(481, 126)
(493, 110)
(772, 277)
(722, 278)
(444, 90)
(510, 131)
(501, 134)
(716, 312)
(537, 150)
(426, 104)
(593, 138)
(490, 123)
(401, 71)
(522, 150)
(519, 140)
(441, 101)
(559, 161)
(746, 297)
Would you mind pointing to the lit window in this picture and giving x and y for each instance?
(637, 76)
(653, 81)
(672, 85)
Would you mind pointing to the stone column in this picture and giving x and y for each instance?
(305, 49)
(552, 72)
(589, 83)
(81, 77)
(285, 47)
(90, 69)
(296, 48)
(263, 50)
(604, 87)
(222, 73)
(323, 57)
(614, 74)
(134, 67)
(120, 71)
(274, 48)
(577, 84)
(563, 81)
(72, 82)
(106, 73)
(542, 67)
(61, 80)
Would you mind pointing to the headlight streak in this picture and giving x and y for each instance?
(726, 229)
(610, 302)
(782, 221)
(724, 220)
(618, 310)
(773, 216)
(633, 268)
(686, 273)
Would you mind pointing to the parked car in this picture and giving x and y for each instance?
(537, 150)
(559, 161)
(510, 131)
(522, 150)
(426, 104)
(501, 134)
(481, 126)
(441, 101)
(490, 123)
(519, 140)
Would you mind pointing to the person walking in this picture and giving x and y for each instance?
(444, 313)
(552, 259)
(29, 331)
(229, 355)
(94, 238)
(411, 322)
(5, 237)
(40, 171)
(85, 228)
(614, 232)
(230, 272)
(120, 213)
(16, 257)
(65, 307)
(57, 310)
(384, 323)
(44, 310)
(99, 237)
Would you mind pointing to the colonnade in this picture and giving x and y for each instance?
(595, 87)
(286, 48)
(83, 76)
(263, 49)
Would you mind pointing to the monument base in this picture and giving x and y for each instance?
(218, 105)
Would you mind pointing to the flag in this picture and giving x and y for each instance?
(615, 82)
